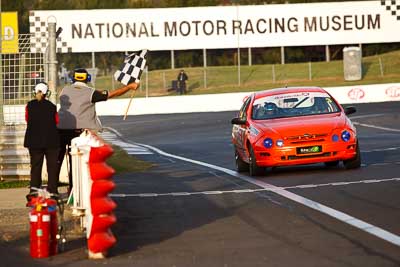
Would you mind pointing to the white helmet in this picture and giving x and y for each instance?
(41, 87)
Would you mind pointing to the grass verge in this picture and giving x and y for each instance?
(384, 68)
(121, 162)
(13, 184)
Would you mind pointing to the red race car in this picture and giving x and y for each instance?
(293, 126)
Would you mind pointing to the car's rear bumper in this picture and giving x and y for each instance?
(288, 155)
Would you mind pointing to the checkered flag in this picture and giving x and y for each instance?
(393, 6)
(132, 68)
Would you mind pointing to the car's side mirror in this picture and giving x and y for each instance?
(238, 121)
(349, 110)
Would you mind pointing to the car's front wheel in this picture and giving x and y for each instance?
(241, 166)
(355, 162)
(254, 169)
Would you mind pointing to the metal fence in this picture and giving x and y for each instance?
(18, 75)
(225, 79)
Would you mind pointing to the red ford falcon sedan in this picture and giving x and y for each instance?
(293, 126)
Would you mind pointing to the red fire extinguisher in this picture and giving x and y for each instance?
(43, 227)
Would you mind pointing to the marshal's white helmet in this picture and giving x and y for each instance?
(41, 87)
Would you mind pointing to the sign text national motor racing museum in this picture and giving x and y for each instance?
(222, 26)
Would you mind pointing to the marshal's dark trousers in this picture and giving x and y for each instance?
(66, 135)
(37, 155)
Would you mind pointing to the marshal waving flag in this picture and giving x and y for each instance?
(132, 68)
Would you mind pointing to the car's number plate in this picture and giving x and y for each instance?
(309, 149)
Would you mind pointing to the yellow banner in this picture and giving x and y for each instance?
(9, 32)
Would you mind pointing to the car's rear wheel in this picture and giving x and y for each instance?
(331, 164)
(254, 169)
(355, 162)
(241, 166)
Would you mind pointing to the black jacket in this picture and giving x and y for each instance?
(182, 77)
(41, 130)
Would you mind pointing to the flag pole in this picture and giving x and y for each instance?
(129, 104)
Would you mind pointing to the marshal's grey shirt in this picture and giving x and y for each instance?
(76, 108)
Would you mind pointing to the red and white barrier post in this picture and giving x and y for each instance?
(92, 184)
(100, 238)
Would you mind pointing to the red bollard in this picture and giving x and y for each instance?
(100, 237)
(43, 227)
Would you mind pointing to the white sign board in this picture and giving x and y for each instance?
(221, 27)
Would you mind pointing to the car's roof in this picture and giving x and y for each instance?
(288, 90)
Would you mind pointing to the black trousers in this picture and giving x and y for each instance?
(37, 155)
(182, 87)
(66, 135)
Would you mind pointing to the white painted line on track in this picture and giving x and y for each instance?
(367, 116)
(377, 127)
(381, 149)
(130, 149)
(248, 190)
(341, 216)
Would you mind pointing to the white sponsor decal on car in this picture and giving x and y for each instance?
(253, 130)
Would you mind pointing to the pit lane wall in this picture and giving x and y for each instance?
(215, 102)
(233, 101)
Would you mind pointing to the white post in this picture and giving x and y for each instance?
(52, 62)
(273, 73)
(250, 58)
(93, 67)
(238, 46)
(93, 61)
(172, 59)
(327, 54)
(78, 208)
(163, 78)
(381, 66)
(238, 60)
(309, 71)
(205, 67)
(147, 81)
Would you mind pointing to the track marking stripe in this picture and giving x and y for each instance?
(380, 150)
(130, 149)
(367, 116)
(377, 127)
(248, 190)
(376, 231)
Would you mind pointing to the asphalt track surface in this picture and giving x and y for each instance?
(182, 213)
(260, 228)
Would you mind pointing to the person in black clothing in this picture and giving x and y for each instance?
(42, 139)
(182, 78)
